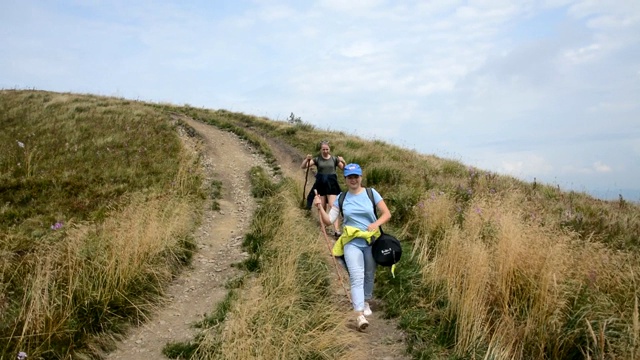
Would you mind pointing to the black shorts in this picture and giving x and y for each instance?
(327, 185)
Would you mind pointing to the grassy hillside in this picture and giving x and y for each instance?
(493, 267)
(497, 267)
(97, 209)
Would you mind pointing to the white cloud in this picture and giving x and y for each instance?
(600, 167)
(276, 13)
(525, 165)
(351, 6)
(583, 54)
(358, 49)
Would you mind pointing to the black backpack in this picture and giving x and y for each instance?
(386, 248)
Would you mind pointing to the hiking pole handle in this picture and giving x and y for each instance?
(318, 205)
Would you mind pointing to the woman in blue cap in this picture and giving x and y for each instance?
(360, 227)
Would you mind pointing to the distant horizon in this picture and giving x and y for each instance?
(543, 89)
(631, 195)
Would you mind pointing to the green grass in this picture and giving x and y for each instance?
(216, 193)
(180, 350)
(254, 243)
(287, 312)
(78, 158)
(494, 266)
(219, 314)
(475, 204)
(69, 166)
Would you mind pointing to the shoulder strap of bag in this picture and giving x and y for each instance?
(341, 197)
(373, 202)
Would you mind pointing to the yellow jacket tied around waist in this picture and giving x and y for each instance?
(349, 233)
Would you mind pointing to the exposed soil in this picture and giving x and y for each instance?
(199, 288)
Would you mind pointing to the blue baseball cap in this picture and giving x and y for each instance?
(352, 169)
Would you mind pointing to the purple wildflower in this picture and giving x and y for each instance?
(591, 278)
(22, 355)
(57, 225)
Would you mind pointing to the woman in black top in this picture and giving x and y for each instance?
(326, 177)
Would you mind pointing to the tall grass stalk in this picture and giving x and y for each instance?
(636, 328)
(286, 312)
(463, 265)
(514, 288)
(431, 217)
(103, 273)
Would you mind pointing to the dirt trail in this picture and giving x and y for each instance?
(382, 340)
(199, 288)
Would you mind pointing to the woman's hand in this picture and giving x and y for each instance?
(317, 201)
(372, 227)
(306, 161)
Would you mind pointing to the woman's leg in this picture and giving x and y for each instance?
(354, 257)
(322, 191)
(369, 273)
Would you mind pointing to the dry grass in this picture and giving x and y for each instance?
(432, 216)
(286, 312)
(503, 269)
(507, 269)
(122, 224)
(514, 288)
(121, 263)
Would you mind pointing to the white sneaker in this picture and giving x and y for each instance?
(362, 322)
(367, 310)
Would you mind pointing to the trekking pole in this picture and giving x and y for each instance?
(335, 263)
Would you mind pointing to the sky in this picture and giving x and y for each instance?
(546, 90)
